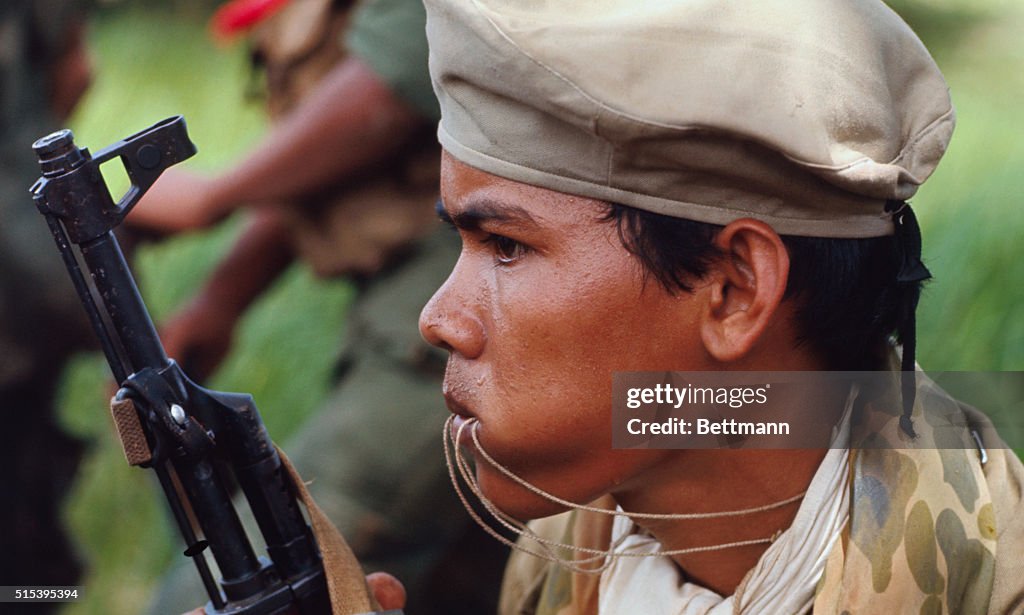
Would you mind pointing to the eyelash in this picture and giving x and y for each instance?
(512, 249)
(506, 250)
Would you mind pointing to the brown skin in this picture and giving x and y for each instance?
(350, 122)
(71, 72)
(545, 304)
(199, 335)
(386, 589)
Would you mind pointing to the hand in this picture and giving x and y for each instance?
(388, 591)
(71, 72)
(199, 336)
(178, 201)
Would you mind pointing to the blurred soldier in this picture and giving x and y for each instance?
(44, 69)
(346, 180)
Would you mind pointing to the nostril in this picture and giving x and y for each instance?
(435, 339)
(457, 333)
(431, 331)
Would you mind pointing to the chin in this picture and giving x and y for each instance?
(515, 500)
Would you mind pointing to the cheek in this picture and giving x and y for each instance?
(551, 332)
(557, 330)
(557, 335)
(569, 329)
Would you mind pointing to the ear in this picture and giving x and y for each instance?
(746, 288)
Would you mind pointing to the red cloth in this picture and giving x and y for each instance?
(237, 16)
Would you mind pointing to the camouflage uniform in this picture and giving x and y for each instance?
(932, 530)
(373, 453)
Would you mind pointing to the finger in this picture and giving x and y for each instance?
(387, 589)
(199, 611)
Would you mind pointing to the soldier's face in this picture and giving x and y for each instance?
(542, 307)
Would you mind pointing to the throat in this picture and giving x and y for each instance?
(721, 570)
(742, 501)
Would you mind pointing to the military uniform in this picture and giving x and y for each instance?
(41, 322)
(932, 529)
(372, 453)
(816, 118)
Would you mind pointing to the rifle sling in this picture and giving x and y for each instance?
(346, 582)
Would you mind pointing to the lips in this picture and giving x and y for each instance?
(457, 408)
(461, 416)
(456, 393)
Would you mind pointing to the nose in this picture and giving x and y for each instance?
(451, 319)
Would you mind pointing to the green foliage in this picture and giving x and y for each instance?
(970, 315)
(149, 66)
(159, 62)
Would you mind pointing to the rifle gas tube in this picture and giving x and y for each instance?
(192, 433)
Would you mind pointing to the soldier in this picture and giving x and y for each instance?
(346, 180)
(44, 69)
(700, 187)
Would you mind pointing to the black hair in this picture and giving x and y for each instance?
(849, 301)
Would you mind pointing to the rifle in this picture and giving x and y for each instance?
(189, 435)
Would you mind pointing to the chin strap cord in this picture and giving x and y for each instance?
(912, 271)
(582, 560)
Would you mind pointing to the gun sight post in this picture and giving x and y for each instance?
(208, 430)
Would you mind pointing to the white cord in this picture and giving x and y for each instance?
(457, 461)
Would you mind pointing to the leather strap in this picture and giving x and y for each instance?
(346, 582)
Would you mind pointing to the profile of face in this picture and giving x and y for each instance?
(542, 307)
(545, 304)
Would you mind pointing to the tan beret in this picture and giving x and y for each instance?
(806, 114)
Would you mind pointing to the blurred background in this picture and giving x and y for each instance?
(155, 58)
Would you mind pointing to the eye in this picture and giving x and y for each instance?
(443, 216)
(506, 250)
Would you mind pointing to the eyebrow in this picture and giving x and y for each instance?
(479, 213)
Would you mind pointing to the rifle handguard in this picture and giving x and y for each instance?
(187, 434)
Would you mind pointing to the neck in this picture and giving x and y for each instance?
(716, 481)
(709, 481)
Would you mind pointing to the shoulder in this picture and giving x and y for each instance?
(525, 575)
(1004, 474)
